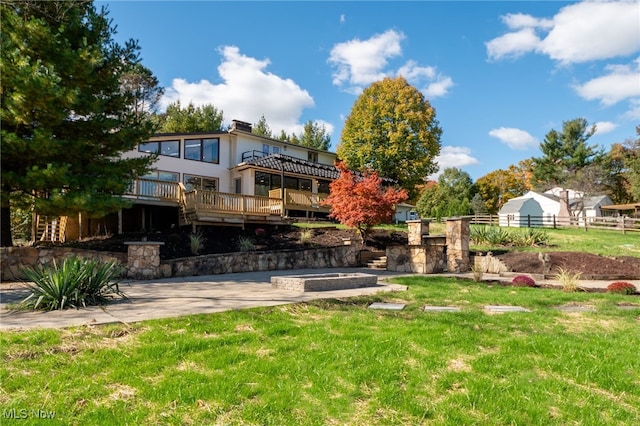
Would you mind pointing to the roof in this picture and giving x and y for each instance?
(295, 165)
(630, 206)
(514, 205)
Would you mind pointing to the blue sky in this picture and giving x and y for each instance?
(499, 74)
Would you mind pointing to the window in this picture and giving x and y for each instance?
(238, 185)
(265, 149)
(323, 186)
(201, 183)
(275, 149)
(149, 188)
(312, 156)
(168, 148)
(163, 176)
(206, 150)
(304, 185)
(262, 184)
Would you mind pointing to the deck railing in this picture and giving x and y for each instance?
(295, 198)
(228, 203)
(151, 189)
(221, 202)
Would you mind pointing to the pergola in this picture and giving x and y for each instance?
(632, 209)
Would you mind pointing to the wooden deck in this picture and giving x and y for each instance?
(210, 207)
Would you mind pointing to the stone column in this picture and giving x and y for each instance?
(143, 259)
(415, 230)
(458, 244)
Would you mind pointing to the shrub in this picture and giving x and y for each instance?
(306, 235)
(245, 244)
(569, 280)
(523, 281)
(621, 287)
(196, 242)
(75, 282)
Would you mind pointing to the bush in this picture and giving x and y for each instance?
(306, 235)
(76, 282)
(245, 244)
(569, 280)
(621, 287)
(523, 281)
(196, 242)
(498, 236)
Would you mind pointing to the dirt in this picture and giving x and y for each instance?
(227, 239)
(589, 265)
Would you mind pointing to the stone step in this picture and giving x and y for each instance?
(378, 263)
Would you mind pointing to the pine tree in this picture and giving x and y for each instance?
(66, 114)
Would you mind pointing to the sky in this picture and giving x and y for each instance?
(500, 75)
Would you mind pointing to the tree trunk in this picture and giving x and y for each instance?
(6, 239)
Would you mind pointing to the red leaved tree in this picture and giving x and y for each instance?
(360, 201)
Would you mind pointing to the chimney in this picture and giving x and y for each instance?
(564, 204)
(240, 125)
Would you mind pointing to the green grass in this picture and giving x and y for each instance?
(337, 362)
(597, 241)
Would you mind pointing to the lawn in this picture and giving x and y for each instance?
(337, 362)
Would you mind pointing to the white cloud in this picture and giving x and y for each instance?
(633, 114)
(514, 138)
(361, 62)
(343, 18)
(513, 44)
(453, 156)
(580, 32)
(621, 82)
(358, 63)
(603, 127)
(246, 93)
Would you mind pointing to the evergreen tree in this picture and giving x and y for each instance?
(190, 119)
(262, 128)
(67, 112)
(315, 136)
(565, 153)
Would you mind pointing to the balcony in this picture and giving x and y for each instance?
(208, 207)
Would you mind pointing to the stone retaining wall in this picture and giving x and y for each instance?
(14, 259)
(140, 265)
(325, 257)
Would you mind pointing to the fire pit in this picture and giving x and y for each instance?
(324, 282)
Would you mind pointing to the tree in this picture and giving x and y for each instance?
(392, 129)
(67, 113)
(361, 201)
(623, 166)
(191, 119)
(315, 136)
(450, 197)
(144, 86)
(477, 204)
(262, 128)
(499, 186)
(565, 154)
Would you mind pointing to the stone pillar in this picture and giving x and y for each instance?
(416, 229)
(458, 244)
(143, 259)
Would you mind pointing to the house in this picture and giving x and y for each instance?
(405, 212)
(232, 177)
(518, 212)
(229, 177)
(558, 207)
